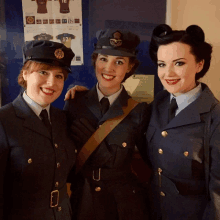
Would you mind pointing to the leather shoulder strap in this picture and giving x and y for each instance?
(100, 134)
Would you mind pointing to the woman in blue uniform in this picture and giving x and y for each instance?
(176, 130)
(36, 153)
(105, 188)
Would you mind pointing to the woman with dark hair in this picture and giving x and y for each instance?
(105, 187)
(185, 186)
(36, 152)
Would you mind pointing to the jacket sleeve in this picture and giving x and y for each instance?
(212, 211)
(4, 151)
(140, 133)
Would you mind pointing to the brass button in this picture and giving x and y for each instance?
(134, 191)
(124, 144)
(159, 170)
(100, 126)
(56, 184)
(58, 165)
(29, 160)
(160, 151)
(97, 189)
(76, 151)
(59, 208)
(186, 153)
(56, 145)
(164, 133)
(162, 193)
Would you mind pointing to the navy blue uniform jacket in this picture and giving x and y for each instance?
(32, 164)
(176, 153)
(116, 198)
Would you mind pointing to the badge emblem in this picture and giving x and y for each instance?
(59, 54)
(116, 40)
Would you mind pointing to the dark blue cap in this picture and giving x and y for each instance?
(117, 43)
(48, 52)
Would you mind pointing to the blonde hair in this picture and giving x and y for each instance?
(32, 66)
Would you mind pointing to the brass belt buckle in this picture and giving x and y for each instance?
(93, 175)
(52, 195)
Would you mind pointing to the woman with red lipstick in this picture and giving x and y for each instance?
(36, 153)
(184, 186)
(105, 188)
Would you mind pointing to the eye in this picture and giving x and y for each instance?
(103, 59)
(161, 65)
(60, 76)
(180, 63)
(42, 72)
(119, 62)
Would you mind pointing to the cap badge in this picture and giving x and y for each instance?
(59, 54)
(116, 40)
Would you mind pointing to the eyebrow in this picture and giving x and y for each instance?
(110, 55)
(174, 60)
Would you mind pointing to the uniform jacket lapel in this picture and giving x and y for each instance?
(92, 102)
(117, 107)
(56, 121)
(31, 121)
(192, 113)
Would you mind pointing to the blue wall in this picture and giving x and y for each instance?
(140, 16)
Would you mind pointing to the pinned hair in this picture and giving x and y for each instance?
(193, 36)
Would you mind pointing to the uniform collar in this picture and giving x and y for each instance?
(34, 106)
(111, 98)
(187, 98)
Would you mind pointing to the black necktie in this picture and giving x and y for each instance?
(172, 109)
(105, 105)
(45, 120)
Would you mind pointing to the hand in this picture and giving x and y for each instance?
(82, 130)
(71, 92)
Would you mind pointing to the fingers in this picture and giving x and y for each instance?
(71, 92)
(81, 88)
(67, 95)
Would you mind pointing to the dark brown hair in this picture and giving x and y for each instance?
(192, 36)
(132, 60)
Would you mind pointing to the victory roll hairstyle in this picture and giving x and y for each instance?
(192, 36)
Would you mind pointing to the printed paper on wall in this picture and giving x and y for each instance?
(56, 20)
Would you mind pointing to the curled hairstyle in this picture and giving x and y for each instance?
(192, 36)
(32, 66)
(132, 60)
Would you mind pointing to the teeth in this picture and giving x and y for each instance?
(107, 76)
(47, 90)
(172, 80)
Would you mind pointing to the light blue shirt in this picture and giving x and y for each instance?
(34, 106)
(111, 98)
(187, 98)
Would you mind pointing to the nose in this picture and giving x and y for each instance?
(51, 80)
(109, 66)
(170, 71)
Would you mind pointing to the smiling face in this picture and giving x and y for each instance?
(110, 72)
(44, 86)
(177, 67)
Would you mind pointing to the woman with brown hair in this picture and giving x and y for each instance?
(36, 153)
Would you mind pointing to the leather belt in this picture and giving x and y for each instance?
(186, 189)
(56, 196)
(106, 174)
